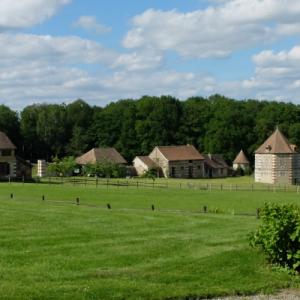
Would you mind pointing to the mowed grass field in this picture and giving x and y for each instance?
(55, 249)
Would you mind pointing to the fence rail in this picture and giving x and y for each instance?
(168, 184)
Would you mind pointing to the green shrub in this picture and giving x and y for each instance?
(62, 167)
(279, 235)
(106, 169)
(152, 174)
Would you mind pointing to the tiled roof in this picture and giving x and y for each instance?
(178, 153)
(241, 158)
(277, 143)
(215, 161)
(5, 142)
(101, 154)
(148, 161)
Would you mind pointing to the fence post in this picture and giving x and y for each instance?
(258, 213)
(252, 187)
(137, 184)
(221, 187)
(96, 181)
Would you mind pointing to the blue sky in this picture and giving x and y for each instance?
(60, 50)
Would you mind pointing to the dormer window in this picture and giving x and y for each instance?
(269, 148)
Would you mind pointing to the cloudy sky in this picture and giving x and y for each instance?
(102, 51)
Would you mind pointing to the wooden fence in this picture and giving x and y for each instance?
(168, 184)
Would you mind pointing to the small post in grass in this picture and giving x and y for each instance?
(205, 209)
(258, 213)
(152, 207)
(43, 197)
(77, 201)
(108, 206)
(11, 196)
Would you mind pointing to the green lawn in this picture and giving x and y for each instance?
(55, 249)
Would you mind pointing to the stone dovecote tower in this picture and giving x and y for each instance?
(276, 161)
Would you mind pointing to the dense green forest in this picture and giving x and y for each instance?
(215, 124)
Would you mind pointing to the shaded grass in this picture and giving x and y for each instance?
(54, 251)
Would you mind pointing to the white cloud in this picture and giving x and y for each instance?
(139, 60)
(216, 31)
(55, 50)
(276, 77)
(16, 14)
(90, 23)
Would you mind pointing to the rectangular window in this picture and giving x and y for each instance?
(190, 161)
(6, 152)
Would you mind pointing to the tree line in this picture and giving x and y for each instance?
(213, 125)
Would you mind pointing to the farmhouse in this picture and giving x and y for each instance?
(241, 162)
(276, 161)
(96, 155)
(142, 164)
(178, 161)
(11, 166)
(215, 166)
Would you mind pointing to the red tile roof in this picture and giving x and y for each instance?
(178, 153)
(277, 143)
(101, 154)
(148, 161)
(5, 142)
(241, 158)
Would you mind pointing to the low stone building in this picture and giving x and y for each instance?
(178, 161)
(276, 161)
(96, 155)
(241, 162)
(12, 166)
(215, 166)
(143, 164)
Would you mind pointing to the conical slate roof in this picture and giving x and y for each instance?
(277, 143)
(241, 158)
(5, 142)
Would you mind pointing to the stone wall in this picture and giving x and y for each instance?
(178, 169)
(140, 166)
(264, 168)
(161, 161)
(275, 168)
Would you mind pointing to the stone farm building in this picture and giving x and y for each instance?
(11, 165)
(241, 162)
(276, 161)
(215, 166)
(143, 164)
(172, 161)
(96, 155)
